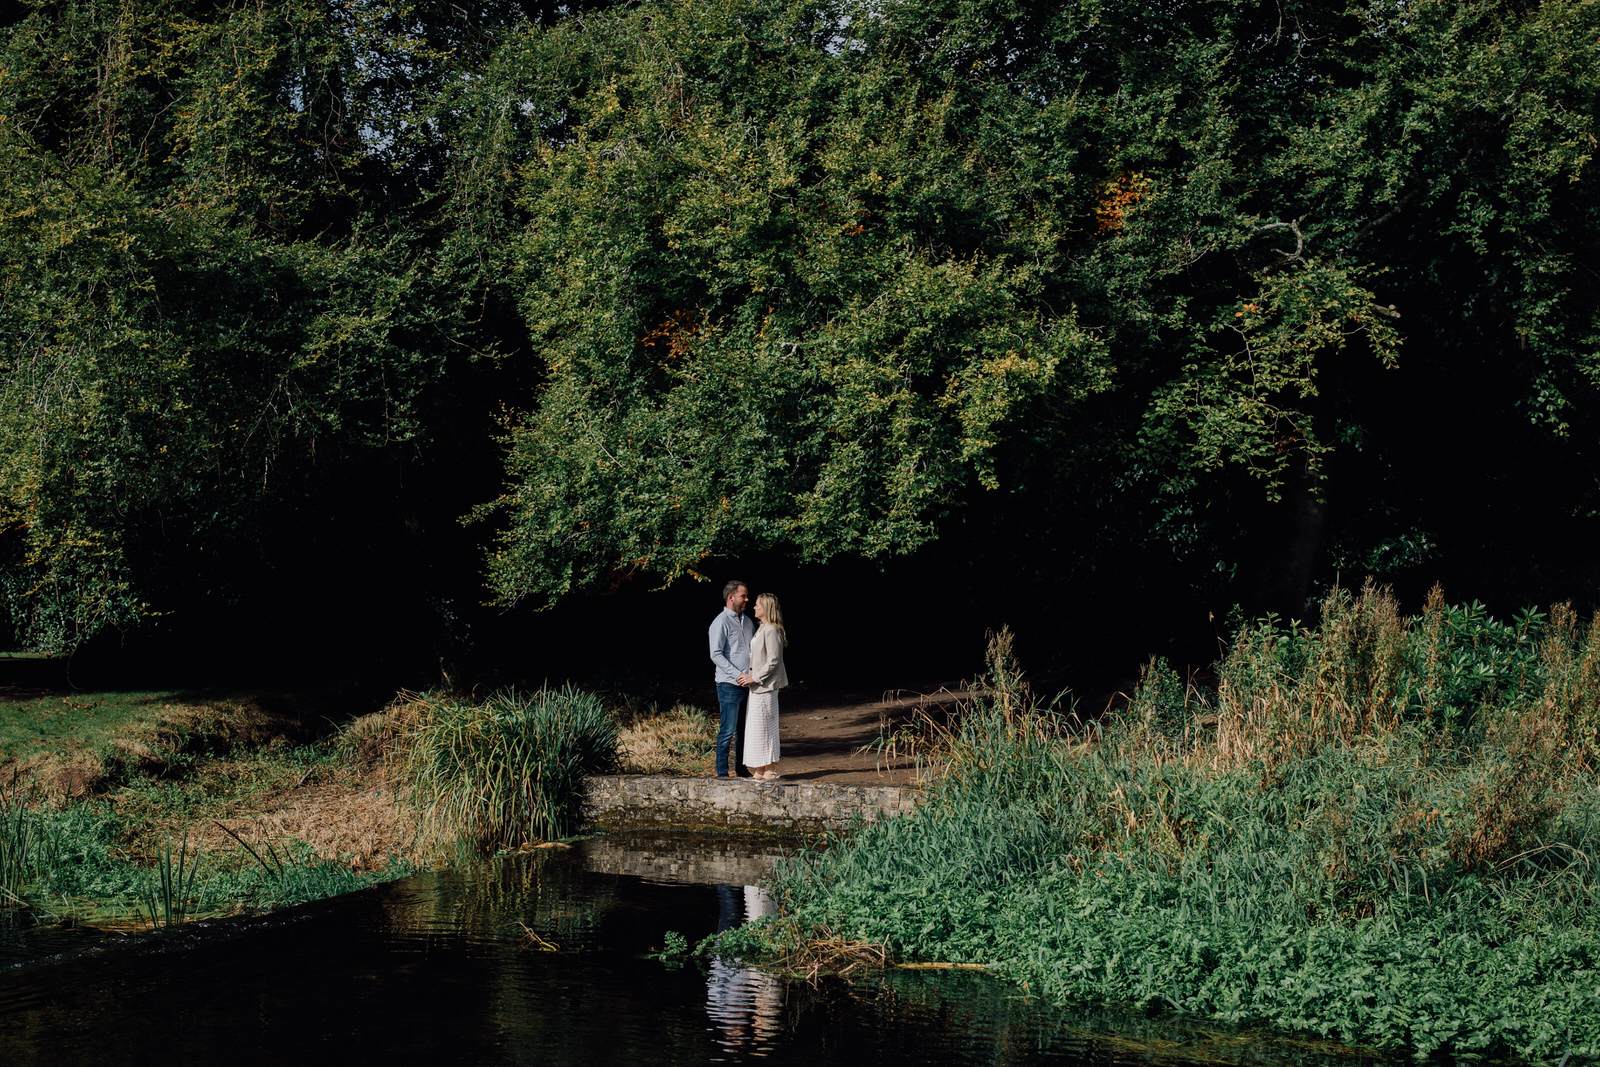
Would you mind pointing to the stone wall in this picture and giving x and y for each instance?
(629, 802)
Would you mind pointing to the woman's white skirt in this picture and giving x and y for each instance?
(761, 730)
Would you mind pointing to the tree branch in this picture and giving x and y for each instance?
(1284, 256)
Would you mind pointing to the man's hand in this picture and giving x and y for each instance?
(746, 678)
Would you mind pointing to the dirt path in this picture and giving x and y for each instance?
(821, 733)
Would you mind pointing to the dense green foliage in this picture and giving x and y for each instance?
(777, 308)
(508, 770)
(808, 275)
(811, 276)
(203, 293)
(1380, 830)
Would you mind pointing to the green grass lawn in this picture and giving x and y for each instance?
(66, 723)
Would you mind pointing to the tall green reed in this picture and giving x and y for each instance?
(29, 845)
(510, 769)
(169, 897)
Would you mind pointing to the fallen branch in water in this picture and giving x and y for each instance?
(531, 940)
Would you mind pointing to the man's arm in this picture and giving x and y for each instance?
(719, 648)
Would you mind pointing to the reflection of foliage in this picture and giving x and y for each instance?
(549, 897)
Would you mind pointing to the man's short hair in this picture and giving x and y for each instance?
(731, 588)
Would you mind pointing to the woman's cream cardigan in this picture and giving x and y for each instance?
(766, 661)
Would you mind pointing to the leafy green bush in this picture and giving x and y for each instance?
(1379, 829)
(510, 769)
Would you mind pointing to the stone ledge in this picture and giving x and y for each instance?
(626, 802)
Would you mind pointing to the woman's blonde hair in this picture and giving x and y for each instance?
(774, 615)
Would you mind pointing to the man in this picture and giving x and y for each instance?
(730, 636)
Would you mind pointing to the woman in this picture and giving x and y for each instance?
(767, 676)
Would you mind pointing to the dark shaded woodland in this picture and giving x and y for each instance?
(378, 340)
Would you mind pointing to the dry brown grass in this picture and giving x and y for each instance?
(374, 738)
(258, 784)
(827, 953)
(681, 740)
(359, 820)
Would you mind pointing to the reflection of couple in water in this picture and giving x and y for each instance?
(746, 1004)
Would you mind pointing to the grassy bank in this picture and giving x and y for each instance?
(129, 809)
(1383, 830)
(75, 864)
(107, 798)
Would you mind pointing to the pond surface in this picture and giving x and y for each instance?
(534, 959)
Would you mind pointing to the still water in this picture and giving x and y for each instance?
(535, 959)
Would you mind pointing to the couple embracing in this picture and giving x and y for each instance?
(749, 663)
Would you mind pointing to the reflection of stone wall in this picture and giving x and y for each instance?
(681, 858)
(622, 802)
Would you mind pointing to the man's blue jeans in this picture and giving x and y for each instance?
(731, 701)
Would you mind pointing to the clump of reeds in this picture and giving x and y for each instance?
(506, 770)
(170, 897)
(952, 740)
(28, 845)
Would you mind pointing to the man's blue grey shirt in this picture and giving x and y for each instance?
(730, 644)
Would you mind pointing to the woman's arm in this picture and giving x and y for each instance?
(763, 658)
